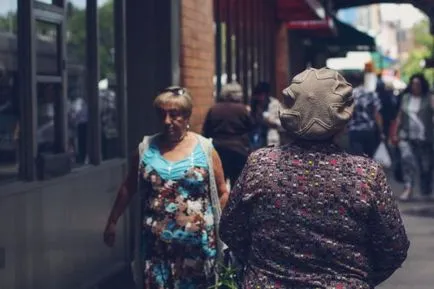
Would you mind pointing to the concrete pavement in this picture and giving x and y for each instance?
(417, 271)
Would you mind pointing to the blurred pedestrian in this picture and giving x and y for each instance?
(265, 113)
(365, 128)
(414, 135)
(228, 124)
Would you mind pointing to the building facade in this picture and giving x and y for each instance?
(77, 82)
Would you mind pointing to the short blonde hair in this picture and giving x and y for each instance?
(178, 96)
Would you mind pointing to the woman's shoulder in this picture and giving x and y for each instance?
(264, 155)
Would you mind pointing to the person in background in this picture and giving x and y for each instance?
(366, 124)
(388, 106)
(265, 113)
(229, 124)
(78, 123)
(109, 123)
(307, 214)
(45, 134)
(413, 134)
(179, 177)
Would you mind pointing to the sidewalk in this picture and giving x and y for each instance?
(417, 271)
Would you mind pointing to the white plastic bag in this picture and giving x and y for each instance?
(382, 156)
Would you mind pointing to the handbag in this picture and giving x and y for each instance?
(382, 156)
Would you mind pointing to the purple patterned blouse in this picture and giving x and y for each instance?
(311, 216)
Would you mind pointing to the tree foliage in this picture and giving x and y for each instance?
(424, 43)
(76, 34)
(76, 27)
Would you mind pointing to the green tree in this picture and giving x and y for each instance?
(424, 49)
(76, 27)
(8, 22)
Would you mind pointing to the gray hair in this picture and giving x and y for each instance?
(231, 92)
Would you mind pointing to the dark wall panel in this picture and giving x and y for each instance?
(51, 232)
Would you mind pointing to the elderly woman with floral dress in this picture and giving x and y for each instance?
(308, 215)
(181, 186)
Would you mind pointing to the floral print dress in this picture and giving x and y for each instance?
(179, 245)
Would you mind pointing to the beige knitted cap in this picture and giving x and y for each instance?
(317, 105)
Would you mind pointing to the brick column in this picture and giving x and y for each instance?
(282, 59)
(198, 56)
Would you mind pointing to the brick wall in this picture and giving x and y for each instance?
(282, 59)
(197, 56)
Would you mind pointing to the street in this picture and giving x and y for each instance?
(417, 271)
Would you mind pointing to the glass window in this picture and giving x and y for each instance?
(47, 134)
(107, 85)
(47, 52)
(48, 90)
(9, 101)
(76, 70)
(47, 1)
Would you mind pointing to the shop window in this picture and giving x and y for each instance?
(47, 48)
(52, 2)
(78, 140)
(109, 115)
(9, 101)
(47, 132)
(48, 88)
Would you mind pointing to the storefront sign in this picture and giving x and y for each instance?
(311, 24)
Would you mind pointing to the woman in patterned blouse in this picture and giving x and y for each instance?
(308, 215)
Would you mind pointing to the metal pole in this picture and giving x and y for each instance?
(121, 79)
(94, 123)
(238, 41)
(218, 47)
(229, 32)
(27, 89)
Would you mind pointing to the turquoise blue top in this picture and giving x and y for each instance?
(168, 170)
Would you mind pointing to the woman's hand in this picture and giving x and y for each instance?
(125, 193)
(394, 139)
(110, 234)
(220, 179)
(394, 130)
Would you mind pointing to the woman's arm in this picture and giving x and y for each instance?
(126, 190)
(220, 179)
(389, 241)
(235, 220)
(395, 128)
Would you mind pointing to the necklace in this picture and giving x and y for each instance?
(172, 143)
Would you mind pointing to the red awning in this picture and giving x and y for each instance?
(300, 10)
(314, 28)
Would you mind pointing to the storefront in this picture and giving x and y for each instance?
(62, 144)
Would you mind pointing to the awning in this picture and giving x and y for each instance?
(300, 10)
(323, 27)
(347, 39)
(382, 61)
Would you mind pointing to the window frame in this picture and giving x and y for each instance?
(27, 76)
